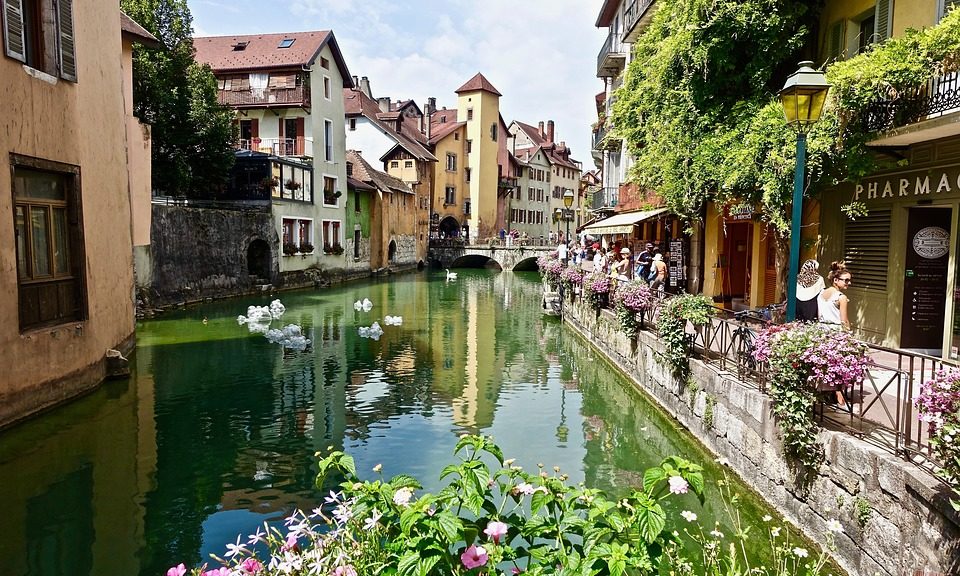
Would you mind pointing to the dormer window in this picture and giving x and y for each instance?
(240, 46)
(286, 43)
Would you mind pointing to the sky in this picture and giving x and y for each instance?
(540, 54)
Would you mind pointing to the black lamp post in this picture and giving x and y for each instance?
(802, 98)
(568, 202)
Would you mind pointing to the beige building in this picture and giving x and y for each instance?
(67, 175)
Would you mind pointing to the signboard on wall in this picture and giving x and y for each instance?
(925, 279)
(677, 262)
(739, 212)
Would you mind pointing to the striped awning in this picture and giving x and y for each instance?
(622, 223)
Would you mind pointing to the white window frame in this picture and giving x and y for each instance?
(327, 88)
(328, 154)
(334, 241)
(310, 231)
(451, 160)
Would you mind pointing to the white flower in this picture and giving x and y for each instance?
(716, 534)
(371, 522)
(800, 552)
(234, 549)
(689, 516)
(834, 526)
(402, 496)
(767, 518)
(524, 488)
(775, 532)
(678, 485)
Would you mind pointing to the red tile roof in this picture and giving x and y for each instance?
(262, 51)
(478, 83)
(532, 132)
(356, 103)
(362, 170)
(443, 130)
(137, 33)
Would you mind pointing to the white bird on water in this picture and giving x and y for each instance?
(451, 275)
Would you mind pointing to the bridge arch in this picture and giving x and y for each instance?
(526, 265)
(476, 261)
(450, 227)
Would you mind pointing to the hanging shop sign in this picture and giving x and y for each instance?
(739, 212)
(911, 185)
(925, 278)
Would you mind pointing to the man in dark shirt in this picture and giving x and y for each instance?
(643, 262)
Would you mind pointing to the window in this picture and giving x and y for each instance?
(451, 162)
(356, 244)
(866, 38)
(328, 140)
(324, 63)
(326, 87)
(408, 163)
(493, 132)
(456, 136)
(40, 34)
(49, 247)
(467, 172)
(299, 233)
(466, 207)
(394, 163)
(353, 124)
(286, 43)
(356, 201)
(451, 196)
(330, 191)
(469, 114)
(469, 146)
(866, 247)
(331, 234)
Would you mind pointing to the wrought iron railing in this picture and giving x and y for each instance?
(633, 14)
(612, 47)
(237, 205)
(938, 96)
(279, 146)
(880, 409)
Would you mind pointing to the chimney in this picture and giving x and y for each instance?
(549, 130)
(540, 127)
(356, 82)
(384, 102)
(365, 86)
(425, 120)
(431, 106)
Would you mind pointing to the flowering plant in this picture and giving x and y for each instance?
(939, 406)
(571, 277)
(672, 327)
(596, 288)
(550, 269)
(483, 521)
(631, 300)
(804, 359)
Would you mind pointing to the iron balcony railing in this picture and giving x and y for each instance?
(279, 146)
(610, 53)
(634, 13)
(298, 96)
(879, 410)
(939, 96)
(606, 197)
(599, 133)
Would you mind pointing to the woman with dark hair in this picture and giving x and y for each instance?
(809, 286)
(832, 302)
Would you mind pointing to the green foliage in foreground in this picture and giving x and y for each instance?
(502, 520)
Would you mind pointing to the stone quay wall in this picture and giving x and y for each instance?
(896, 517)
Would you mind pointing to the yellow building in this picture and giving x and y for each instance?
(451, 177)
(478, 104)
(67, 174)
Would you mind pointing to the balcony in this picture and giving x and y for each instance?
(916, 114)
(612, 57)
(267, 98)
(300, 147)
(605, 197)
(636, 18)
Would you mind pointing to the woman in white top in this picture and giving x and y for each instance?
(832, 302)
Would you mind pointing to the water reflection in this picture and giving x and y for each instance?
(216, 431)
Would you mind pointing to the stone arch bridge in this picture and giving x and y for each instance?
(452, 254)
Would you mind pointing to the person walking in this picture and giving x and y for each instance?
(832, 302)
(658, 272)
(644, 258)
(809, 286)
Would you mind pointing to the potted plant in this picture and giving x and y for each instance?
(327, 248)
(337, 194)
(289, 249)
(306, 248)
(269, 183)
(337, 249)
(291, 185)
(596, 290)
(632, 300)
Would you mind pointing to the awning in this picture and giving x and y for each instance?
(622, 223)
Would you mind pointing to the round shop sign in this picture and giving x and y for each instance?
(931, 242)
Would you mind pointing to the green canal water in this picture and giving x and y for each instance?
(215, 432)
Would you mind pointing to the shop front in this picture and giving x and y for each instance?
(903, 252)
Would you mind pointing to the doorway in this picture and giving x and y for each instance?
(258, 259)
(737, 252)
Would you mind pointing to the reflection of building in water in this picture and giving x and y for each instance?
(70, 490)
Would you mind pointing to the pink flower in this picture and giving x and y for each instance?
(347, 570)
(222, 571)
(251, 566)
(474, 557)
(495, 530)
(178, 570)
(678, 485)
(515, 570)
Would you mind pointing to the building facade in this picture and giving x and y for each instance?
(71, 183)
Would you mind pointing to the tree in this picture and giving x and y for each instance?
(192, 134)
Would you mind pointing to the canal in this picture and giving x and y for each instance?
(215, 432)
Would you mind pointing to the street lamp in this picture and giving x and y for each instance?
(802, 97)
(568, 202)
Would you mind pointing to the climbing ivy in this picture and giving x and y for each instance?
(698, 107)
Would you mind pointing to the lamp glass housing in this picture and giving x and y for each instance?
(568, 198)
(803, 97)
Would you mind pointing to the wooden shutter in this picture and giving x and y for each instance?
(68, 57)
(866, 248)
(13, 34)
(255, 128)
(836, 41)
(883, 18)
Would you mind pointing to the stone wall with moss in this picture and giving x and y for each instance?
(896, 517)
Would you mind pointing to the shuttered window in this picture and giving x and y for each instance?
(837, 51)
(883, 20)
(13, 33)
(866, 248)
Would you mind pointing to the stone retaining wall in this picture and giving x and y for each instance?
(897, 519)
